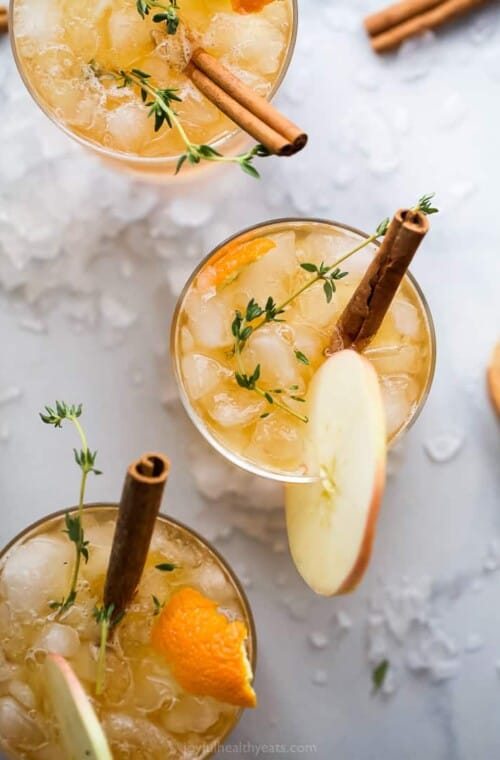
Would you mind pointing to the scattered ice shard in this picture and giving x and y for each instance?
(444, 447)
(9, 394)
(474, 643)
(116, 314)
(320, 677)
(318, 639)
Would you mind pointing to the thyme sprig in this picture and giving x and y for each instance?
(245, 324)
(106, 620)
(85, 459)
(168, 13)
(424, 205)
(159, 101)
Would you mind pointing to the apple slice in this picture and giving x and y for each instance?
(81, 732)
(331, 523)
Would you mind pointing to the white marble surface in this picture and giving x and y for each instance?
(73, 235)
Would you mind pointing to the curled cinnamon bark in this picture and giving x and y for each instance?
(139, 508)
(369, 303)
(4, 19)
(250, 111)
(388, 37)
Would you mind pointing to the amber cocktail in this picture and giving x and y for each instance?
(143, 710)
(72, 57)
(262, 429)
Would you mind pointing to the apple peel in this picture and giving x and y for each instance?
(82, 734)
(331, 522)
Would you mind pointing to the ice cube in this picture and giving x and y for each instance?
(474, 643)
(323, 248)
(214, 583)
(17, 729)
(59, 639)
(84, 663)
(190, 212)
(399, 393)
(395, 359)
(277, 440)
(154, 686)
(22, 693)
(209, 322)
(249, 41)
(318, 640)
(128, 127)
(39, 24)
(236, 409)
(271, 274)
(192, 714)
(406, 318)
(100, 538)
(444, 447)
(137, 737)
(310, 342)
(279, 367)
(9, 394)
(128, 38)
(315, 309)
(117, 314)
(320, 677)
(36, 573)
(202, 374)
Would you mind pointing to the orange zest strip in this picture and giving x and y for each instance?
(230, 261)
(249, 6)
(204, 649)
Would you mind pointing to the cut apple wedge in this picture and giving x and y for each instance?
(331, 523)
(81, 732)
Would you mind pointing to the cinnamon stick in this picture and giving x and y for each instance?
(444, 12)
(383, 20)
(250, 111)
(369, 303)
(139, 508)
(4, 19)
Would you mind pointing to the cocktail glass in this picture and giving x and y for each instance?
(241, 425)
(143, 710)
(58, 47)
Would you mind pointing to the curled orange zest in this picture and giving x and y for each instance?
(205, 650)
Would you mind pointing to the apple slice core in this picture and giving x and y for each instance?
(331, 523)
(81, 732)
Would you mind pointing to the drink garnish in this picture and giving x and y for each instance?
(80, 730)
(363, 315)
(246, 323)
(249, 6)
(139, 507)
(106, 618)
(4, 19)
(205, 650)
(85, 459)
(159, 102)
(331, 522)
(168, 13)
(231, 260)
(379, 674)
(249, 110)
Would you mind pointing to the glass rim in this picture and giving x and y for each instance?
(131, 158)
(240, 461)
(242, 596)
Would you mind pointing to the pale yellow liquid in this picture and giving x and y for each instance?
(144, 712)
(401, 352)
(56, 39)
